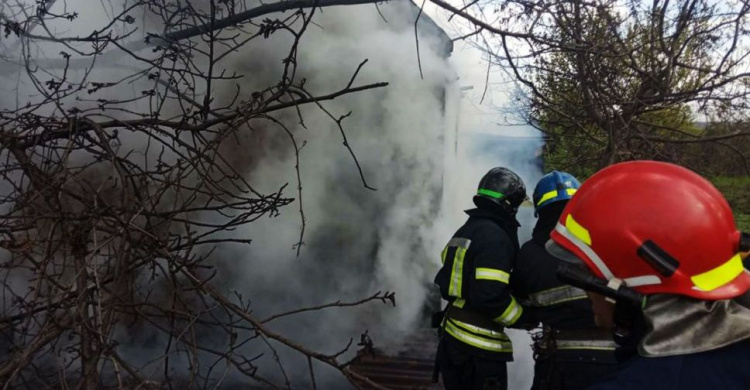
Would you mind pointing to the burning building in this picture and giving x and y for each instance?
(364, 231)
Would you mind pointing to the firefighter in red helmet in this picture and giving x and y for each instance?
(657, 249)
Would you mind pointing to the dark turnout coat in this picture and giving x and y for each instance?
(571, 353)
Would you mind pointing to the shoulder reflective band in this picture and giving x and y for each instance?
(485, 343)
(599, 345)
(511, 313)
(719, 276)
(490, 193)
(492, 274)
(556, 296)
(461, 244)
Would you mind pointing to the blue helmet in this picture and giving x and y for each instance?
(554, 187)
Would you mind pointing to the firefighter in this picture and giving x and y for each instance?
(660, 242)
(570, 351)
(476, 266)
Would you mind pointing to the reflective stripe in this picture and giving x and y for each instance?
(547, 196)
(577, 230)
(456, 282)
(511, 313)
(600, 345)
(586, 250)
(478, 341)
(459, 242)
(459, 303)
(553, 194)
(556, 296)
(442, 255)
(490, 193)
(492, 274)
(645, 280)
(454, 288)
(480, 331)
(719, 276)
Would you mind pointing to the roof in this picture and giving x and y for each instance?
(428, 25)
(406, 366)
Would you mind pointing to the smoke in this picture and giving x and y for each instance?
(414, 142)
(357, 241)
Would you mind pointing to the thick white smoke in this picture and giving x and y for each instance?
(357, 241)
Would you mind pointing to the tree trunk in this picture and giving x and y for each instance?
(87, 326)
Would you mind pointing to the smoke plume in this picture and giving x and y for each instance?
(357, 241)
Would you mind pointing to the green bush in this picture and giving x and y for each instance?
(737, 191)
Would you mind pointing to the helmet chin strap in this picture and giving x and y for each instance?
(629, 327)
(615, 285)
(745, 242)
(614, 290)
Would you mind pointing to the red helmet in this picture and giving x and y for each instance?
(658, 228)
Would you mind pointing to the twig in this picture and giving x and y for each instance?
(386, 297)
(416, 39)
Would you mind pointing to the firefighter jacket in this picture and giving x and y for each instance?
(570, 352)
(534, 281)
(689, 344)
(561, 308)
(474, 280)
(724, 368)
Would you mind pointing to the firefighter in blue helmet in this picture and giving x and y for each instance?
(570, 352)
(474, 278)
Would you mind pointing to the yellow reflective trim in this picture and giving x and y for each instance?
(589, 348)
(492, 274)
(456, 282)
(459, 303)
(577, 230)
(477, 341)
(571, 191)
(566, 300)
(511, 314)
(547, 196)
(556, 295)
(719, 276)
(597, 345)
(516, 315)
(442, 255)
(480, 331)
